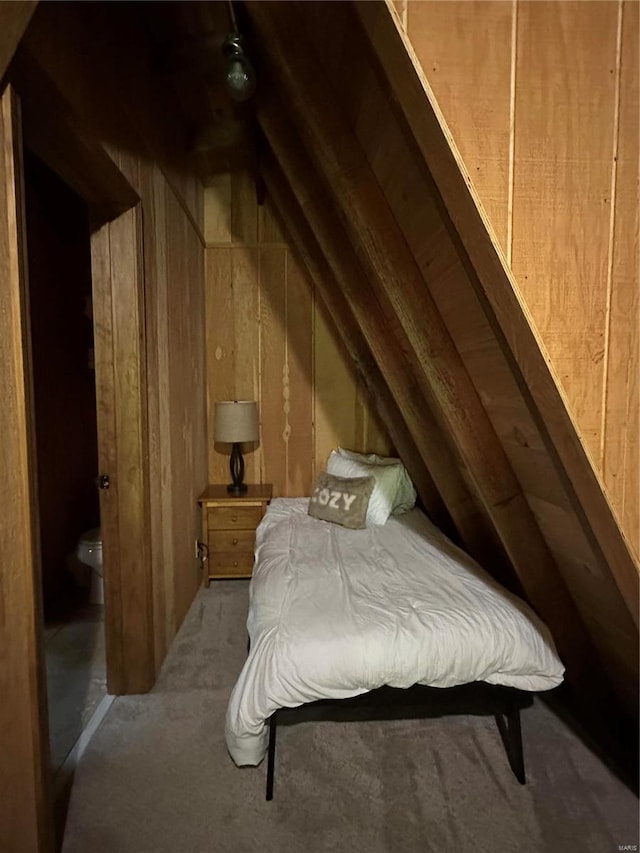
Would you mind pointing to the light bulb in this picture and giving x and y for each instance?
(240, 78)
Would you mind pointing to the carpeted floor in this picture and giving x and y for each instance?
(156, 777)
(76, 677)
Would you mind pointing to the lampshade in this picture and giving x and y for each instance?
(236, 420)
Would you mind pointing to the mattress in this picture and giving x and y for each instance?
(335, 613)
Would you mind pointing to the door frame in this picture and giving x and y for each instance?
(25, 784)
(26, 823)
(60, 140)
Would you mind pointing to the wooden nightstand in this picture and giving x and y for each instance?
(229, 529)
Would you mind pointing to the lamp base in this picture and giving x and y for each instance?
(239, 489)
(236, 465)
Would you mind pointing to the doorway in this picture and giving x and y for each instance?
(66, 451)
(120, 387)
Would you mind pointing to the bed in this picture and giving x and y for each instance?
(337, 613)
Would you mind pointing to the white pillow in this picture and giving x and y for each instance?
(385, 484)
(406, 495)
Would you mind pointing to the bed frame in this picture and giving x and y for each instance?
(417, 702)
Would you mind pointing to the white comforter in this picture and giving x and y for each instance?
(335, 613)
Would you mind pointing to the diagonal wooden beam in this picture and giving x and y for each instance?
(331, 290)
(14, 19)
(392, 270)
(344, 287)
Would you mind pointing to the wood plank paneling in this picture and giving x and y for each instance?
(220, 348)
(336, 392)
(300, 380)
(563, 76)
(160, 387)
(464, 48)
(174, 304)
(275, 391)
(244, 209)
(245, 283)
(217, 214)
(120, 360)
(562, 189)
(25, 809)
(173, 258)
(496, 286)
(187, 411)
(157, 398)
(621, 460)
(270, 339)
(131, 473)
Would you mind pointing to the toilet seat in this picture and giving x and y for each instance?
(89, 552)
(92, 539)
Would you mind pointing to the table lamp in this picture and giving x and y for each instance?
(236, 421)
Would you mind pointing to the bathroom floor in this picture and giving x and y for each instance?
(76, 675)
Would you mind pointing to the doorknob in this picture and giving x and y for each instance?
(103, 481)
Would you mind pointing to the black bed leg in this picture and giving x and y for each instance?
(271, 755)
(511, 734)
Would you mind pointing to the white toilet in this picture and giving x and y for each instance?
(89, 552)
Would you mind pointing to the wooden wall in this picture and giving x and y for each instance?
(542, 100)
(174, 318)
(270, 339)
(123, 112)
(25, 813)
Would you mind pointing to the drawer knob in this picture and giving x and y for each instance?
(234, 541)
(234, 518)
(235, 562)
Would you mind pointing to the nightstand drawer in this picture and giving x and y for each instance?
(234, 517)
(229, 525)
(233, 563)
(232, 541)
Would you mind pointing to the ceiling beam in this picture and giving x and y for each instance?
(52, 133)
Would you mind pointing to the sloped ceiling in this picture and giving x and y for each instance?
(370, 185)
(14, 18)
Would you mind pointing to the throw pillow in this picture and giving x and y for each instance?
(405, 497)
(341, 500)
(384, 489)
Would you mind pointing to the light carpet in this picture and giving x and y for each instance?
(76, 678)
(156, 777)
